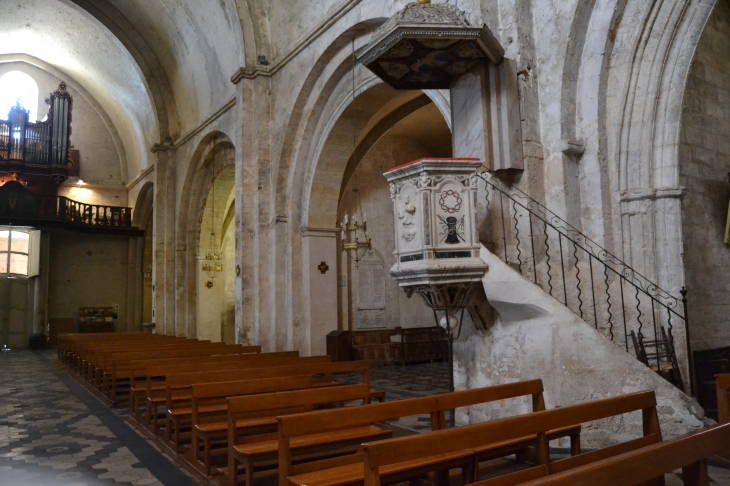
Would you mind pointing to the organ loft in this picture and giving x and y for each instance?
(359, 242)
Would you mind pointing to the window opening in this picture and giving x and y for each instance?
(18, 88)
(19, 251)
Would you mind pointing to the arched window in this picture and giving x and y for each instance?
(17, 87)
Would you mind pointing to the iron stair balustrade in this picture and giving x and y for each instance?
(596, 285)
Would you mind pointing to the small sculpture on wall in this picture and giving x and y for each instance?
(409, 228)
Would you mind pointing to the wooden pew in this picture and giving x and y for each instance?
(338, 472)
(73, 347)
(121, 372)
(723, 404)
(92, 352)
(140, 369)
(177, 393)
(90, 361)
(247, 414)
(688, 452)
(179, 389)
(209, 408)
(69, 343)
(178, 396)
(395, 458)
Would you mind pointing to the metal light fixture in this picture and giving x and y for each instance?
(355, 238)
(213, 264)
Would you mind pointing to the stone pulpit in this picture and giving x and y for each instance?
(436, 241)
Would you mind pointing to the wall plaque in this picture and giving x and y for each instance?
(371, 283)
(370, 319)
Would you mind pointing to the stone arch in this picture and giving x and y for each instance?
(195, 189)
(143, 205)
(142, 218)
(653, 49)
(376, 103)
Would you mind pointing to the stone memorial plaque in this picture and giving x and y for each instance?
(370, 284)
(370, 319)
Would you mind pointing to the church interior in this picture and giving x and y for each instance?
(469, 242)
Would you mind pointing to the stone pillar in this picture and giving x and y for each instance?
(485, 116)
(163, 279)
(319, 245)
(254, 246)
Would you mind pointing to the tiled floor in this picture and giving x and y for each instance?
(53, 432)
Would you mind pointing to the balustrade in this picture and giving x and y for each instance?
(596, 285)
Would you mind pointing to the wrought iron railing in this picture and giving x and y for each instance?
(595, 284)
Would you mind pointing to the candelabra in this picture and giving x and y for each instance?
(355, 237)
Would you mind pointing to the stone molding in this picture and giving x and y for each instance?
(652, 193)
(142, 175)
(170, 144)
(267, 71)
(308, 231)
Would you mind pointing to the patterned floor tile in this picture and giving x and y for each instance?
(50, 436)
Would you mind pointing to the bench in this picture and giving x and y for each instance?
(688, 452)
(68, 344)
(345, 471)
(407, 456)
(140, 371)
(246, 414)
(177, 392)
(178, 396)
(72, 350)
(209, 411)
(121, 373)
(89, 360)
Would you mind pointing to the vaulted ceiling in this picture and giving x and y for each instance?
(157, 67)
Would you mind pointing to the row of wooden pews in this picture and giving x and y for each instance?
(104, 361)
(233, 418)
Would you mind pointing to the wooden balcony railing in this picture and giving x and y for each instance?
(19, 206)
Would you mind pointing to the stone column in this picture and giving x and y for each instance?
(485, 116)
(252, 141)
(163, 256)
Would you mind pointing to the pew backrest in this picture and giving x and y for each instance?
(300, 366)
(647, 463)
(391, 451)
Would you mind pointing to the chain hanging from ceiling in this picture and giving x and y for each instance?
(355, 238)
(213, 263)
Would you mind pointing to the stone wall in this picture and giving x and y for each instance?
(704, 162)
(89, 271)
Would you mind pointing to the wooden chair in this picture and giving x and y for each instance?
(660, 357)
